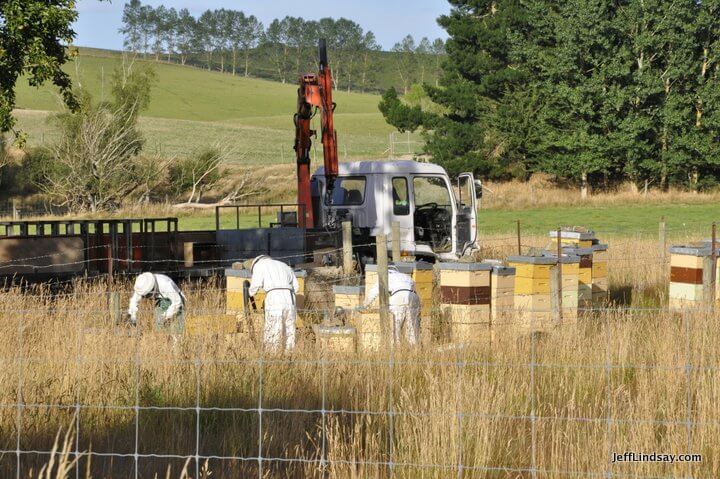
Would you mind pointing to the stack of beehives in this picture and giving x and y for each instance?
(593, 286)
(536, 290)
(502, 295)
(690, 276)
(465, 300)
(367, 327)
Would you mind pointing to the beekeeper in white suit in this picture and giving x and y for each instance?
(169, 301)
(404, 304)
(280, 286)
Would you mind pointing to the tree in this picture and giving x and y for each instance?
(33, 39)
(423, 53)
(132, 28)
(170, 32)
(406, 62)
(438, 51)
(205, 34)
(185, 30)
(275, 43)
(95, 165)
(249, 36)
(370, 47)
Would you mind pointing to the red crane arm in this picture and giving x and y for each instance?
(315, 94)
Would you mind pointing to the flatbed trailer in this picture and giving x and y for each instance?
(60, 250)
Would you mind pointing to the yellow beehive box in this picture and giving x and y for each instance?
(348, 297)
(525, 270)
(335, 339)
(465, 283)
(371, 335)
(235, 281)
(525, 285)
(577, 237)
(502, 293)
(210, 324)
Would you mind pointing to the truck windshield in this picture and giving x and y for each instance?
(430, 190)
(348, 191)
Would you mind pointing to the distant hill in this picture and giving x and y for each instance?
(191, 107)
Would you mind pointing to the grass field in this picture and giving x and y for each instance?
(552, 405)
(191, 108)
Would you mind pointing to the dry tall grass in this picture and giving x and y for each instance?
(542, 192)
(558, 404)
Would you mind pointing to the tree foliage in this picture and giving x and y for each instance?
(34, 35)
(592, 91)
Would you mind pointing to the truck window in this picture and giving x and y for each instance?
(348, 191)
(430, 190)
(464, 192)
(401, 203)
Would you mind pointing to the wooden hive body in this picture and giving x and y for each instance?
(465, 294)
(335, 339)
(691, 276)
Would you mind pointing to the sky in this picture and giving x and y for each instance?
(390, 20)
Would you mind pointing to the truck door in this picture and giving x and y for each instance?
(466, 219)
(400, 201)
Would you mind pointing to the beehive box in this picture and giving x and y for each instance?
(235, 302)
(371, 335)
(578, 239)
(585, 276)
(197, 325)
(335, 339)
(570, 284)
(348, 297)
(689, 273)
(465, 300)
(599, 275)
(502, 294)
(535, 293)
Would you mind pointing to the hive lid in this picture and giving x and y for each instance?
(532, 259)
(691, 250)
(599, 247)
(465, 267)
(564, 259)
(577, 235)
(340, 289)
(238, 273)
(323, 329)
(406, 267)
(577, 251)
(499, 270)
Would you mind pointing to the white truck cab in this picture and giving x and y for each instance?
(437, 216)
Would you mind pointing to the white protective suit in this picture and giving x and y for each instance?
(280, 285)
(404, 305)
(167, 295)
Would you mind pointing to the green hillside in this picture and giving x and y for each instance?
(191, 107)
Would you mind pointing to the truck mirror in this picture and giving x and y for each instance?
(478, 189)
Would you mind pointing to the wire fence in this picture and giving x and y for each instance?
(627, 390)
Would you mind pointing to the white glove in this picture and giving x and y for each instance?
(133, 319)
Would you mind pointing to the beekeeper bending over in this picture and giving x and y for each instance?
(169, 301)
(404, 304)
(280, 285)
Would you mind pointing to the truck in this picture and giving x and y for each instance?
(437, 216)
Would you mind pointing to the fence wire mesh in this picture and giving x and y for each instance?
(630, 389)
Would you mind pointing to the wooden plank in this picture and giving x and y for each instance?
(679, 274)
(467, 295)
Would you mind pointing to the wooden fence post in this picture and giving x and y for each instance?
(395, 241)
(383, 290)
(347, 248)
(662, 239)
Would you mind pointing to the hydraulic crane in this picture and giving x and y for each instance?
(315, 95)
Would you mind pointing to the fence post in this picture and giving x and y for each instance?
(382, 271)
(662, 239)
(347, 247)
(114, 307)
(188, 254)
(15, 213)
(518, 238)
(396, 241)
